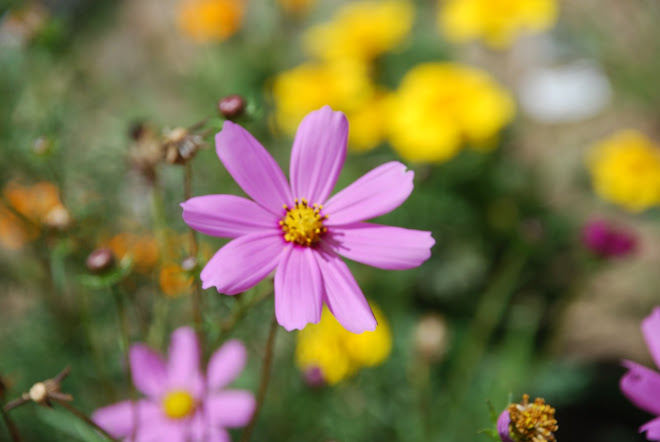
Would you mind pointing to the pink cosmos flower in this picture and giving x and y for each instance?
(642, 385)
(181, 404)
(299, 231)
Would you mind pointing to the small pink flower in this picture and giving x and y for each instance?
(642, 385)
(181, 404)
(298, 230)
(606, 240)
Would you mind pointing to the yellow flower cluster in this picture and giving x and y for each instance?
(440, 106)
(210, 20)
(338, 353)
(341, 72)
(625, 170)
(361, 31)
(497, 22)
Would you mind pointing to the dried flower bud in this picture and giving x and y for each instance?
(431, 337)
(147, 151)
(180, 145)
(58, 218)
(189, 263)
(38, 393)
(231, 106)
(100, 260)
(43, 392)
(138, 130)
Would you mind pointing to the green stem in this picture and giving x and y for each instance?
(194, 247)
(11, 426)
(265, 378)
(488, 315)
(80, 415)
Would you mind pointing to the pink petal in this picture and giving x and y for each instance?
(503, 426)
(651, 332)
(343, 296)
(163, 430)
(385, 247)
(202, 431)
(298, 289)
(642, 387)
(243, 262)
(231, 408)
(116, 419)
(226, 364)
(318, 154)
(183, 363)
(652, 429)
(252, 167)
(119, 419)
(147, 370)
(226, 216)
(379, 191)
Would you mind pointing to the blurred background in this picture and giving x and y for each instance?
(532, 127)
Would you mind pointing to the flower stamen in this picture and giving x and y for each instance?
(178, 404)
(303, 224)
(532, 422)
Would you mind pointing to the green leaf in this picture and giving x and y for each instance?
(68, 424)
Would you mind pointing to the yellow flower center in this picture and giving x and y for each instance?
(303, 224)
(178, 404)
(532, 422)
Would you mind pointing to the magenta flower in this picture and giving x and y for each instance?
(606, 240)
(642, 385)
(298, 230)
(181, 404)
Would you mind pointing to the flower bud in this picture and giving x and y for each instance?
(231, 106)
(100, 260)
(313, 377)
(431, 337)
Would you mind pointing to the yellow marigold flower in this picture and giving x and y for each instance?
(34, 202)
(361, 30)
(174, 280)
(210, 20)
(142, 249)
(440, 106)
(368, 123)
(344, 86)
(14, 233)
(497, 22)
(625, 170)
(338, 353)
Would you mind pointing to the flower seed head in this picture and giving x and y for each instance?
(533, 422)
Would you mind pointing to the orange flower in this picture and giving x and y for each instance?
(33, 202)
(39, 203)
(143, 250)
(14, 233)
(210, 20)
(174, 280)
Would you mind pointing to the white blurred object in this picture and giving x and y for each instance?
(564, 94)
